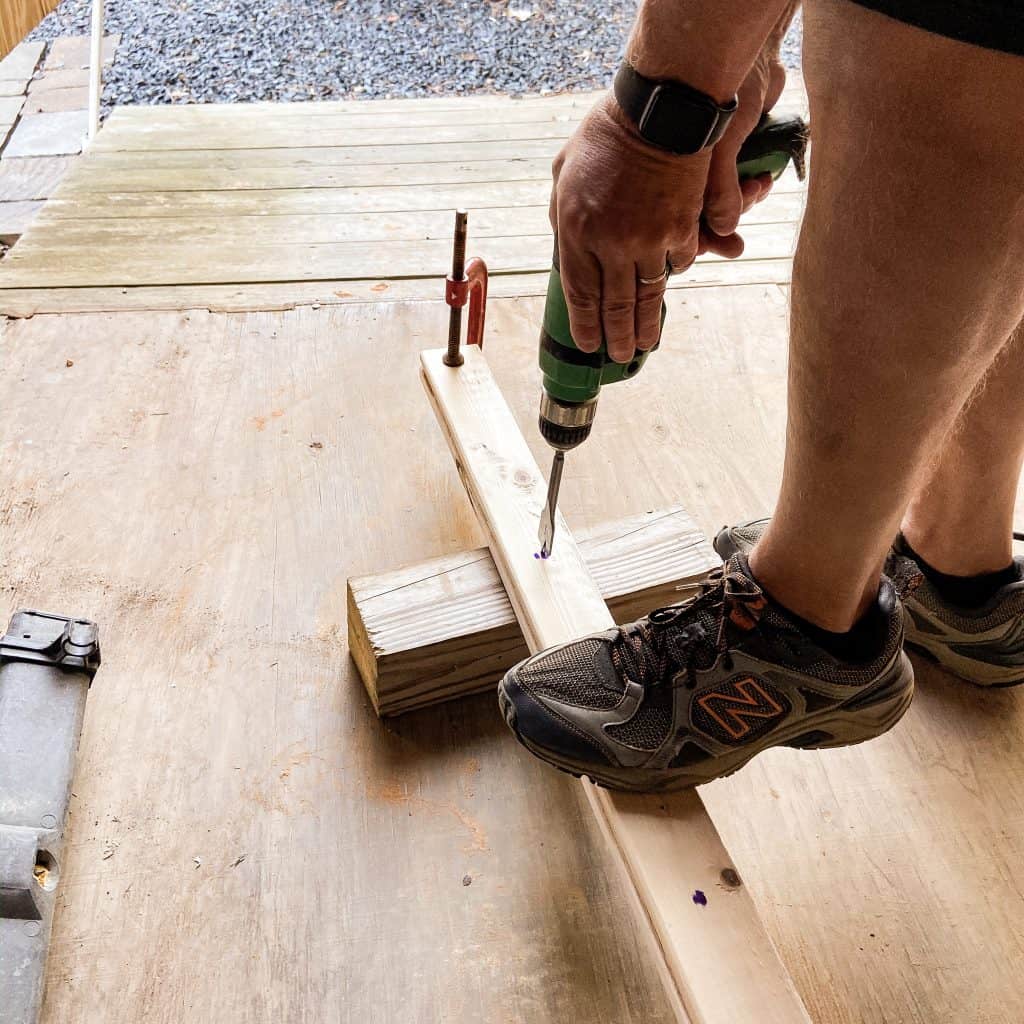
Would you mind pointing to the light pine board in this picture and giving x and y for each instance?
(717, 966)
(206, 205)
(165, 484)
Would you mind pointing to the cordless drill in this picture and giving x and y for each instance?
(572, 379)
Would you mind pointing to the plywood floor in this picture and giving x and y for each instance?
(269, 205)
(248, 842)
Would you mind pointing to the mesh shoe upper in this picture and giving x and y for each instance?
(708, 670)
(912, 583)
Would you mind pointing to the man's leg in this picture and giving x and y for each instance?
(907, 281)
(961, 520)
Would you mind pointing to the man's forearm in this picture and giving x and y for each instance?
(708, 44)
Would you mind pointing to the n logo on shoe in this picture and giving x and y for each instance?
(737, 703)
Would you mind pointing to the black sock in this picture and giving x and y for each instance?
(861, 643)
(963, 591)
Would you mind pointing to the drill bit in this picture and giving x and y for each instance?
(546, 534)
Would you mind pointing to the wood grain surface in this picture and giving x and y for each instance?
(443, 628)
(165, 484)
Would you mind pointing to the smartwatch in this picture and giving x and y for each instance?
(671, 115)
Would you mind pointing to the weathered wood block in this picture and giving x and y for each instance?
(444, 628)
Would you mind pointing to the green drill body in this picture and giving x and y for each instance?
(572, 379)
(570, 375)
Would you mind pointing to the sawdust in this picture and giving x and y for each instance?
(261, 421)
(395, 794)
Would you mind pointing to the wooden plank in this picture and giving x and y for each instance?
(444, 628)
(56, 134)
(151, 262)
(718, 962)
(79, 203)
(299, 177)
(412, 225)
(275, 135)
(456, 107)
(27, 302)
(238, 119)
(20, 61)
(15, 219)
(249, 159)
(31, 177)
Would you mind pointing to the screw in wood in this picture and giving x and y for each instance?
(453, 357)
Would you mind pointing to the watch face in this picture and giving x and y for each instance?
(677, 122)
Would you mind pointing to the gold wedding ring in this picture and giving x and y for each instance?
(663, 276)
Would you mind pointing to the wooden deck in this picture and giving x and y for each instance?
(249, 843)
(268, 205)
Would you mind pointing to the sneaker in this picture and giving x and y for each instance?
(983, 645)
(739, 539)
(693, 691)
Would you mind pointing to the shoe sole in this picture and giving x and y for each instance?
(966, 670)
(842, 728)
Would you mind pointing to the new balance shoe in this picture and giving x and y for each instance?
(739, 539)
(693, 691)
(982, 645)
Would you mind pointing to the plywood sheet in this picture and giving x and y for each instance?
(166, 484)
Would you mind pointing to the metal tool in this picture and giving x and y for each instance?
(466, 283)
(47, 663)
(572, 379)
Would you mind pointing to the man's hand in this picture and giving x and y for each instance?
(726, 197)
(621, 207)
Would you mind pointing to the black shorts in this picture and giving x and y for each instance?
(994, 24)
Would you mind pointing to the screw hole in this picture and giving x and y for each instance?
(26, 636)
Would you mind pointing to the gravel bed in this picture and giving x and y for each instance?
(223, 51)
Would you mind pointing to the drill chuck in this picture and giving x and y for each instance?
(564, 425)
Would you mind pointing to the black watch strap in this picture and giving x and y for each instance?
(671, 115)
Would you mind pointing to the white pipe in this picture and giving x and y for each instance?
(95, 68)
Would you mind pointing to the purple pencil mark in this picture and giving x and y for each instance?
(699, 898)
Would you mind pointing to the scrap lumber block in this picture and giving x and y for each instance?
(718, 962)
(444, 628)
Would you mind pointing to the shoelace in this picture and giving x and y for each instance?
(647, 650)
